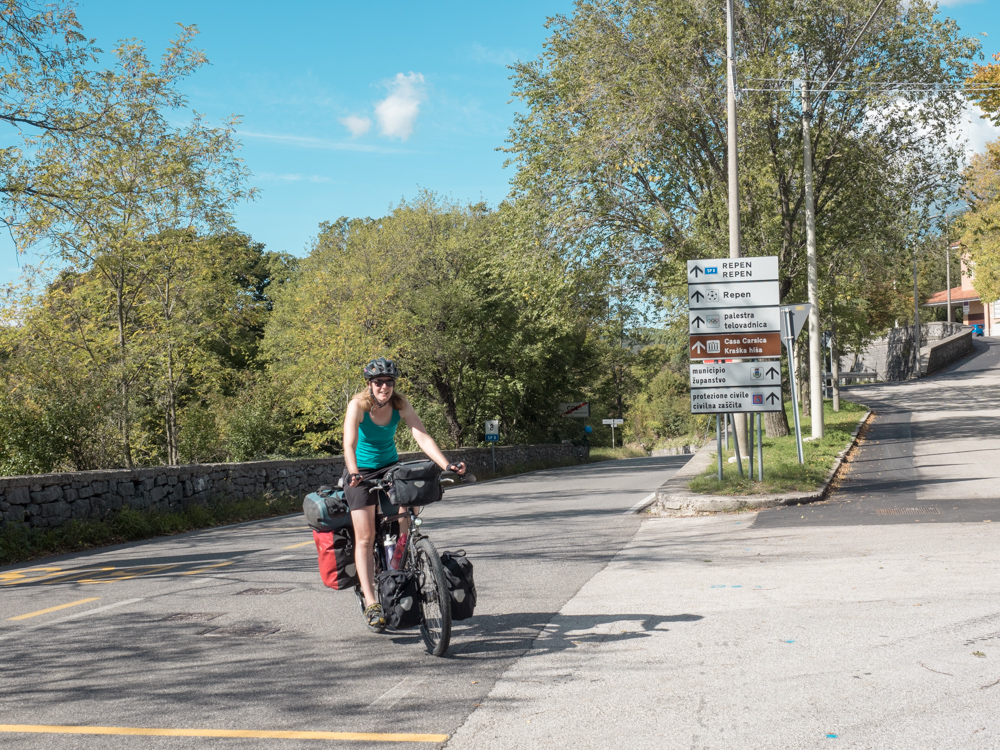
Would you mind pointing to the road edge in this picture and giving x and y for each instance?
(673, 498)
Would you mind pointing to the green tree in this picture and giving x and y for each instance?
(112, 201)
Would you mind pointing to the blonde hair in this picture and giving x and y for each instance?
(364, 397)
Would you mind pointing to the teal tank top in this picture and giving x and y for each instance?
(377, 444)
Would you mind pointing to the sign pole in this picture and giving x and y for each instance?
(612, 436)
(750, 473)
(789, 340)
(736, 447)
(760, 450)
(718, 443)
(493, 455)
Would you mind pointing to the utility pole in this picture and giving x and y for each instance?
(916, 318)
(947, 273)
(739, 420)
(815, 345)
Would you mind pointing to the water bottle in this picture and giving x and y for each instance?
(397, 553)
(390, 548)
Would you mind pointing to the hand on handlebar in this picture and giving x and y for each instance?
(354, 479)
(458, 468)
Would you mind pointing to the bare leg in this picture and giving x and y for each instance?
(364, 539)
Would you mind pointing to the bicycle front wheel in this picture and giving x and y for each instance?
(435, 600)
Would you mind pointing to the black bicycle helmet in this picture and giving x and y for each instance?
(381, 368)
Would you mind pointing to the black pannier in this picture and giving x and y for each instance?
(326, 509)
(398, 594)
(415, 483)
(461, 584)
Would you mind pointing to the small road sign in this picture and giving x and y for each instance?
(613, 422)
(733, 374)
(737, 294)
(800, 314)
(753, 399)
(743, 320)
(723, 270)
(492, 430)
(737, 346)
(577, 410)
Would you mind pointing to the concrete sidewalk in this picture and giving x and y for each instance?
(705, 632)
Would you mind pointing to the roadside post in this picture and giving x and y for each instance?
(718, 443)
(793, 317)
(734, 327)
(493, 437)
(614, 423)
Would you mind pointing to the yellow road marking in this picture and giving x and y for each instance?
(251, 733)
(207, 567)
(141, 572)
(300, 544)
(54, 609)
(17, 575)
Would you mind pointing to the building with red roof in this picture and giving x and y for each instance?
(974, 310)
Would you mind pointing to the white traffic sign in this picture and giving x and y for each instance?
(492, 426)
(724, 270)
(799, 315)
(711, 295)
(613, 422)
(752, 399)
(734, 374)
(749, 320)
(578, 410)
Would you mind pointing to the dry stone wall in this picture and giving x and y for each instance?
(49, 500)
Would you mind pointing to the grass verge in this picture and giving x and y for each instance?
(782, 471)
(20, 542)
(610, 454)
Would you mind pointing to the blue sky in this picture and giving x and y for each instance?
(350, 107)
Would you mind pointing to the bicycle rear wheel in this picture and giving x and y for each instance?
(435, 601)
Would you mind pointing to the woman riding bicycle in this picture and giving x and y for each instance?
(369, 452)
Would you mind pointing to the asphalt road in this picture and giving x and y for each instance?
(231, 628)
(931, 453)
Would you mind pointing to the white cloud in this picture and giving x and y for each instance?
(304, 141)
(293, 177)
(398, 111)
(484, 54)
(976, 130)
(356, 124)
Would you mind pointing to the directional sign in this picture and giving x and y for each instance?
(578, 410)
(725, 270)
(737, 346)
(753, 399)
(800, 314)
(712, 295)
(733, 374)
(750, 320)
(613, 422)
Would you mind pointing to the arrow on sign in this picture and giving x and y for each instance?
(697, 296)
(696, 270)
(697, 347)
(698, 320)
(772, 372)
(771, 398)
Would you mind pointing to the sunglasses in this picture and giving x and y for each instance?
(380, 383)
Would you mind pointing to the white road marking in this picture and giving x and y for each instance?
(393, 695)
(642, 504)
(20, 631)
(284, 557)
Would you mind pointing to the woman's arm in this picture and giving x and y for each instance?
(425, 441)
(351, 420)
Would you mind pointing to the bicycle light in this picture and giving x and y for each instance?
(417, 522)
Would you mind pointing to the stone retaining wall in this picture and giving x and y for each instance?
(891, 355)
(936, 356)
(49, 500)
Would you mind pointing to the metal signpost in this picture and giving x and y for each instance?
(493, 437)
(613, 423)
(793, 318)
(734, 313)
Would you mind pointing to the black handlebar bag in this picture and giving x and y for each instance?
(415, 483)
